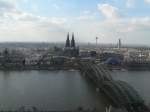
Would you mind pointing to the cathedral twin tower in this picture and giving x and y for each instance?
(71, 50)
(70, 44)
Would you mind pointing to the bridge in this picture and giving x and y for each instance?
(120, 93)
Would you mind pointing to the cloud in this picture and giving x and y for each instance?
(56, 6)
(6, 6)
(25, 1)
(140, 24)
(86, 16)
(147, 1)
(109, 11)
(130, 3)
(56, 20)
(113, 26)
(16, 25)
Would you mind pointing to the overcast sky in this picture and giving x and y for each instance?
(50, 20)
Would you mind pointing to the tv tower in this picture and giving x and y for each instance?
(97, 42)
(119, 43)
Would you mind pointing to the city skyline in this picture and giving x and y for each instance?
(50, 20)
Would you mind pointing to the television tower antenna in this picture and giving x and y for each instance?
(97, 42)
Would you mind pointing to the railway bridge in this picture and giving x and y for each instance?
(120, 93)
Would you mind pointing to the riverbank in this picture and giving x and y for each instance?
(50, 68)
(127, 68)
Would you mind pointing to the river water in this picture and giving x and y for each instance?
(61, 90)
(140, 80)
(48, 90)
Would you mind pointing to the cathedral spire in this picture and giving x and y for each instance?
(67, 41)
(73, 41)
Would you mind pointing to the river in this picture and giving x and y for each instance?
(61, 90)
(140, 80)
(48, 90)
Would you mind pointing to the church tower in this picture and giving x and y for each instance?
(67, 41)
(70, 49)
(73, 41)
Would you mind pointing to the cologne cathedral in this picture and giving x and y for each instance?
(70, 48)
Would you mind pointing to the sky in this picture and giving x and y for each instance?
(51, 20)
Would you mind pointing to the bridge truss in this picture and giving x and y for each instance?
(119, 92)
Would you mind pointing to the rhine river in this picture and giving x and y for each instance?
(48, 90)
(140, 80)
(61, 90)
